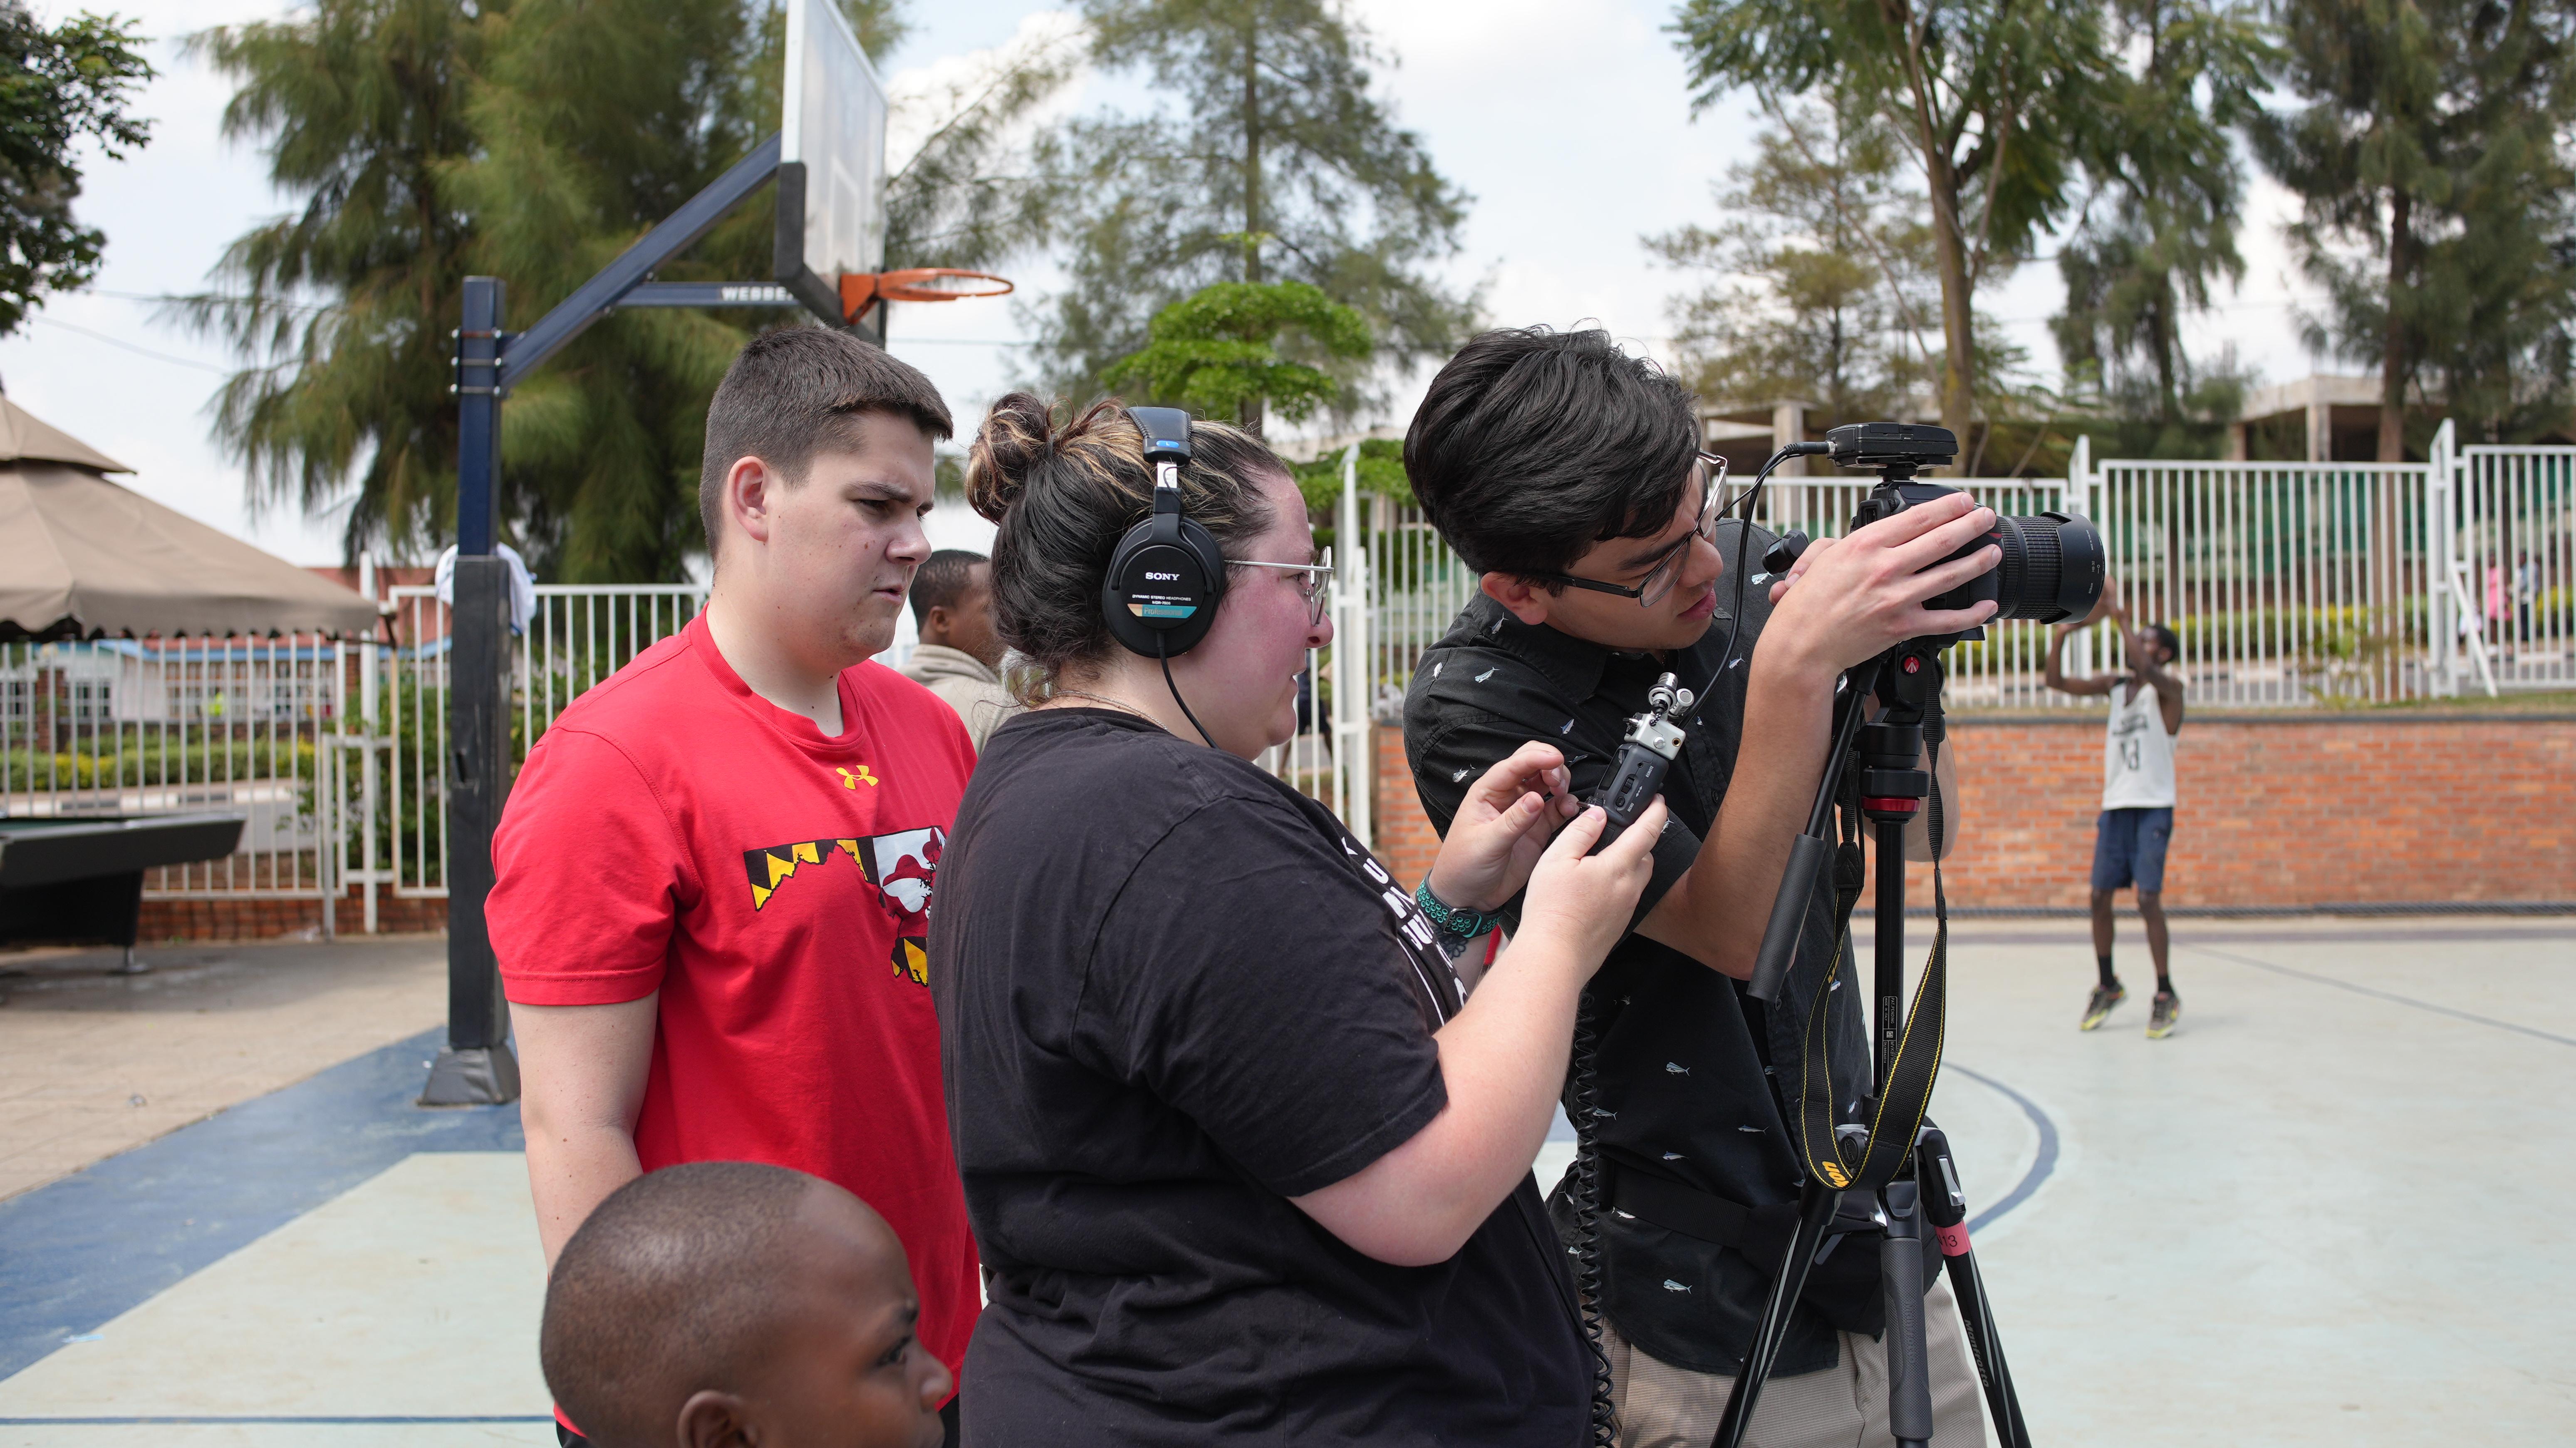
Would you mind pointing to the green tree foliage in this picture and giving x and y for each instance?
(341, 309)
(2434, 185)
(1217, 351)
(1820, 279)
(429, 139)
(2159, 229)
(1275, 162)
(1997, 98)
(57, 85)
(601, 447)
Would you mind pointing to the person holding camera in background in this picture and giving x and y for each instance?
(1243, 1164)
(2136, 824)
(1569, 475)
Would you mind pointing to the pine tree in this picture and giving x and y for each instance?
(1821, 285)
(2433, 181)
(2159, 229)
(1280, 164)
(970, 194)
(58, 84)
(1998, 100)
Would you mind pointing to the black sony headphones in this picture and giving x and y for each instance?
(1166, 576)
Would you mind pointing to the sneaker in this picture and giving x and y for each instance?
(2098, 1008)
(2168, 1009)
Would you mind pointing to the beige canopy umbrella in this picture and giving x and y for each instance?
(81, 556)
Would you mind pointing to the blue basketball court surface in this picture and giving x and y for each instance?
(2326, 1211)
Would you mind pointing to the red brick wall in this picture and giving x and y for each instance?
(1401, 837)
(219, 919)
(2288, 810)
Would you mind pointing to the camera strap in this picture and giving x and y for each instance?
(1897, 1115)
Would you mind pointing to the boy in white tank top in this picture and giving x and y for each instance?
(2136, 823)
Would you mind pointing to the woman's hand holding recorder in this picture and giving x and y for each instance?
(1503, 1057)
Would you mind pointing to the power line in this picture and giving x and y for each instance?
(129, 346)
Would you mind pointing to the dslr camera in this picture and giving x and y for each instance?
(2052, 563)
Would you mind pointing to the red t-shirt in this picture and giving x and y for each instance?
(674, 831)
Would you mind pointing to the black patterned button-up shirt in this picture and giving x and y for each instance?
(1684, 1094)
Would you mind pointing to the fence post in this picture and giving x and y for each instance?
(2079, 503)
(2442, 642)
(1355, 760)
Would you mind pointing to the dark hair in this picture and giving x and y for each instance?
(802, 390)
(2168, 638)
(663, 1292)
(1062, 497)
(1532, 445)
(940, 581)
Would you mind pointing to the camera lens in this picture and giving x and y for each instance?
(2051, 569)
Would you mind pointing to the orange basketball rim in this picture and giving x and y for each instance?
(862, 290)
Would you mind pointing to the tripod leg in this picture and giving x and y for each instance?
(1977, 1316)
(1816, 1205)
(1900, 1263)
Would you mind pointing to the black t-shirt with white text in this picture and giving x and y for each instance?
(1173, 993)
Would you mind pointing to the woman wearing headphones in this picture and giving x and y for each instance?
(1242, 1164)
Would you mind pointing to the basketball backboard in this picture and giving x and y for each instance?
(832, 137)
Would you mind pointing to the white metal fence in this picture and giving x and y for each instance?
(120, 727)
(2289, 584)
(577, 637)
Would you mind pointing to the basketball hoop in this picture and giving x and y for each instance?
(862, 290)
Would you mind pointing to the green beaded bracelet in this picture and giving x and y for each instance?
(1450, 920)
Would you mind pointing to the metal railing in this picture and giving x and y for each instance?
(578, 635)
(2508, 612)
(120, 727)
(2289, 584)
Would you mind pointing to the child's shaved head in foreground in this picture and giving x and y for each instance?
(722, 1302)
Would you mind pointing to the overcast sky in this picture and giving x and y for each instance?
(1568, 121)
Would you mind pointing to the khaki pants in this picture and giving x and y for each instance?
(1845, 1406)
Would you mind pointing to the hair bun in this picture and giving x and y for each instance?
(1013, 443)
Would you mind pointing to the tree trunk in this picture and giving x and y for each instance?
(2388, 607)
(1248, 413)
(1251, 154)
(1958, 312)
(2392, 350)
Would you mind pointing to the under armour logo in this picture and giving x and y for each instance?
(853, 781)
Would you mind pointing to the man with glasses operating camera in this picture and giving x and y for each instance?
(1569, 476)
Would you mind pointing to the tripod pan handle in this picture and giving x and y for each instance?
(1807, 858)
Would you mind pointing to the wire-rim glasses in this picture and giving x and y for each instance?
(1316, 588)
(1667, 570)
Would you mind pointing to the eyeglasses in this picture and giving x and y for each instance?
(1315, 587)
(1666, 568)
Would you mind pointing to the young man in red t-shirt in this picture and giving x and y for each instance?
(714, 873)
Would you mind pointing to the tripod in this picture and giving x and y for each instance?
(1895, 1176)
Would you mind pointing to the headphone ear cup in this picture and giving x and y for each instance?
(1158, 599)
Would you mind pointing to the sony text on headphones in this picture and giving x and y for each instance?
(1166, 576)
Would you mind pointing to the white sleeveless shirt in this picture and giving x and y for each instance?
(2137, 753)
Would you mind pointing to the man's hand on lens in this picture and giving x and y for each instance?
(1848, 600)
(1505, 822)
(1585, 900)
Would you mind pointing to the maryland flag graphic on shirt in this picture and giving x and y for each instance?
(903, 867)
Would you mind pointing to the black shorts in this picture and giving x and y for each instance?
(2129, 848)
